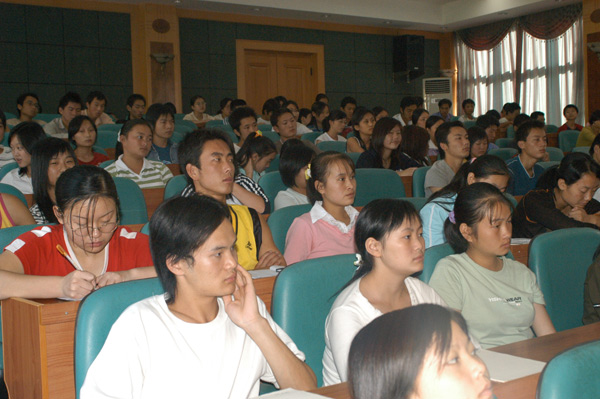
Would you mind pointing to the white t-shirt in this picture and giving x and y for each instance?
(289, 197)
(22, 183)
(302, 129)
(6, 156)
(350, 312)
(327, 137)
(150, 353)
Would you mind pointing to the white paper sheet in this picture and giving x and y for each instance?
(505, 367)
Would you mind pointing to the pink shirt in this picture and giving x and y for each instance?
(312, 236)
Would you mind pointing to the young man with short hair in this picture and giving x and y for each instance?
(507, 116)
(348, 105)
(284, 123)
(268, 107)
(243, 121)
(444, 106)
(208, 335)
(208, 160)
(69, 107)
(490, 124)
(162, 119)
(538, 116)
(408, 105)
(570, 112)
(468, 107)
(136, 106)
(524, 170)
(28, 106)
(94, 108)
(454, 147)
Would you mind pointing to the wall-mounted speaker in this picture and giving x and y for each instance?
(409, 55)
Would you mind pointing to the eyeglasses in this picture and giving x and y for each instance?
(105, 228)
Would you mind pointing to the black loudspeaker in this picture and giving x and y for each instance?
(409, 55)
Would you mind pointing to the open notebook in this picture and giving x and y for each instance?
(505, 367)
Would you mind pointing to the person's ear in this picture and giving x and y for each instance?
(521, 144)
(192, 171)
(59, 215)
(444, 147)
(255, 157)
(178, 268)
(373, 247)
(60, 110)
(562, 185)
(467, 232)
(320, 187)
(470, 178)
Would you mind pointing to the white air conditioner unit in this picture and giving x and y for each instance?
(435, 89)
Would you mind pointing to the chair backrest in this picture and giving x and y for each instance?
(338, 146)
(274, 165)
(188, 126)
(469, 124)
(281, 220)
(572, 374)
(46, 117)
(418, 202)
(556, 154)
(354, 156)
(215, 123)
(377, 183)
(311, 136)
(104, 164)
(551, 128)
(504, 153)
(112, 127)
(510, 132)
(131, 198)
(175, 186)
(265, 127)
(548, 164)
(271, 135)
(504, 142)
(302, 297)
(8, 189)
(99, 150)
(560, 260)
(432, 256)
(418, 184)
(567, 139)
(7, 168)
(96, 315)
(107, 138)
(271, 183)
(584, 149)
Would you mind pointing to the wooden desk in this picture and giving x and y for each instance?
(520, 252)
(542, 348)
(38, 341)
(407, 180)
(153, 198)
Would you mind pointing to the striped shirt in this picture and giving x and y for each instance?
(154, 174)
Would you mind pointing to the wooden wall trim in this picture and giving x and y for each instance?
(78, 5)
(242, 45)
(300, 23)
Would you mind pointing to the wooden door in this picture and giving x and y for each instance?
(272, 73)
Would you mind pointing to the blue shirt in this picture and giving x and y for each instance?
(434, 215)
(521, 183)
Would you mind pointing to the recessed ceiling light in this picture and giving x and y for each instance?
(387, 22)
(256, 9)
(325, 16)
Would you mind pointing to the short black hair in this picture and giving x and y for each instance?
(176, 235)
(444, 101)
(476, 133)
(238, 102)
(293, 158)
(595, 116)
(269, 106)
(467, 101)
(493, 113)
(511, 107)
(235, 118)
(191, 147)
(69, 97)
(408, 101)
(21, 100)
(485, 121)
(133, 98)
(278, 113)
(155, 111)
(442, 132)
(519, 120)
(194, 98)
(536, 114)
(321, 96)
(28, 133)
(96, 94)
(570, 106)
(523, 131)
(347, 100)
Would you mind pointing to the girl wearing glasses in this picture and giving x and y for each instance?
(85, 251)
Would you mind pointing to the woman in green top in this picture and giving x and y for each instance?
(589, 133)
(498, 297)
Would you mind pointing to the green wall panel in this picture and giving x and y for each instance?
(114, 30)
(44, 25)
(80, 27)
(12, 26)
(46, 63)
(13, 58)
(82, 66)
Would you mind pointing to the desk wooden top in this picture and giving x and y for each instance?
(541, 348)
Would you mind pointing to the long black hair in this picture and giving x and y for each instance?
(255, 143)
(572, 167)
(28, 134)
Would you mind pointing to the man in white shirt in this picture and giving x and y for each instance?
(208, 335)
(69, 107)
(407, 107)
(95, 105)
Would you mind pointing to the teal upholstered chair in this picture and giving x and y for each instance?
(96, 315)
(418, 202)
(274, 165)
(337, 146)
(504, 153)
(271, 183)
(432, 257)
(548, 164)
(560, 260)
(584, 149)
(104, 164)
(302, 297)
(572, 374)
(265, 127)
(551, 128)
(133, 204)
(504, 142)
(8, 189)
(271, 135)
(47, 117)
(377, 183)
(567, 140)
(187, 126)
(311, 136)
(510, 132)
(556, 154)
(354, 156)
(469, 124)
(215, 123)
(7, 168)
(175, 186)
(281, 220)
(418, 184)
(107, 138)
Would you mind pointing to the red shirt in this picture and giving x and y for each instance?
(37, 251)
(97, 160)
(565, 127)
